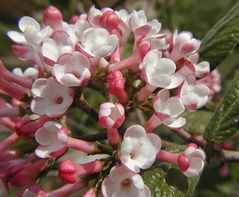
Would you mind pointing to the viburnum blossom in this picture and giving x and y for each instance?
(122, 182)
(138, 149)
(50, 97)
(83, 67)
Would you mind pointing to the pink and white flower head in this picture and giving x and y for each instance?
(59, 44)
(31, 32)
(194, 95)
(167, 109)
(52, 138)
(72, 69)
(184, 45)
(30, 72)
(139, 149)
(160, 72)
(50, 97)
(122, 182)
(98, 42)
(111, 115)
(192, 161)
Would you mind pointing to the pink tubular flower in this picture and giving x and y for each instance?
(116, 83)
(167, 109)
(53, 17)
(54, 140)
(122, 182)
(158, 72)
(111, 116)
(70, 171)
(194, 95)
(72, 69)
(138, 149)
(184, 45)
(50, 97)
(194, 160)
(53, 48)
(212, 81)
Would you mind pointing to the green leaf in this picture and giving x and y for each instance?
(225, 121)
(220, 41)
(166, 180)
(196, 121)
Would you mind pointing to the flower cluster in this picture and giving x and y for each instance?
(162, 71)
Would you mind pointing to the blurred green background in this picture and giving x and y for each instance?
(197, 16)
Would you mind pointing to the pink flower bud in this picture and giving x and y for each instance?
(183, 162)
(70, 171)
(109, 20)
(20, 50)
(53, 17)
(116, 83)
(74, 19)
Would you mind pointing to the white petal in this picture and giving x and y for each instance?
(27, 21)
(174, 106)
(39, 87)
(175, 123)
(16, 37)
(135, 131)
(50, 49)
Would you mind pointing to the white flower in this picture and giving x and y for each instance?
(196, 159)
(98, 42)
(30, 72)
(137, 19)
(32, 32)
(194, 95)
(184, 45)
(72, 69)
(111, 115)
(168, 109)
(122, 182)
(138, 149)
(53, 48)
(50, 97)
(160, 72)
(52, 138)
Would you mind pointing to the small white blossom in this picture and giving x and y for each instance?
(122, 182)
(51, 139)
(139, 149)
(72, 69)
(50, 97)
(160, 72)
(98, 42)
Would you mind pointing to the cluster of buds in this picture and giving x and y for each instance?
(165, 72)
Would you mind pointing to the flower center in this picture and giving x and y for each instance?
(126, 183)
(59, 100)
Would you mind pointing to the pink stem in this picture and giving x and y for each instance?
(66, 190)
(7, 122)
(81, 145)
(6, 143)
(89, 168)
(113, 136)
(152, 123)
(9, 76)
(145, 92)
(132, 60)
(12, 90)
(9, 111)
(168, 157)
